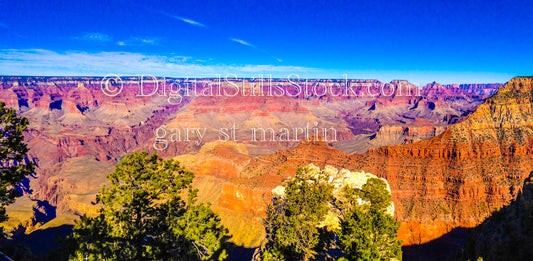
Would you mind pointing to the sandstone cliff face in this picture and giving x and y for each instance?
(459, 177)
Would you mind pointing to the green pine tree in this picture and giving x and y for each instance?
(292, 222)
(367, 231)
(144, 216)
(13, 157)
(375, 192)
(295, 230)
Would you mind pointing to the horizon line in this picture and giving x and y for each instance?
(248, 78)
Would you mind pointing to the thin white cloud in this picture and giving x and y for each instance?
(246, 43)
(195, 23)
(132, 41)
(183, 19)
(189, 21)
(148, 41)
(242, 42)
(97, 37)
(46, 62)
(145, 41)
(136, 41)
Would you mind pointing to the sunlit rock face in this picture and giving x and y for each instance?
(460, 177)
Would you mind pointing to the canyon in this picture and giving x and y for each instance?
(451, 155)
(453, 180)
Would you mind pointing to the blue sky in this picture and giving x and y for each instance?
(421, 41)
